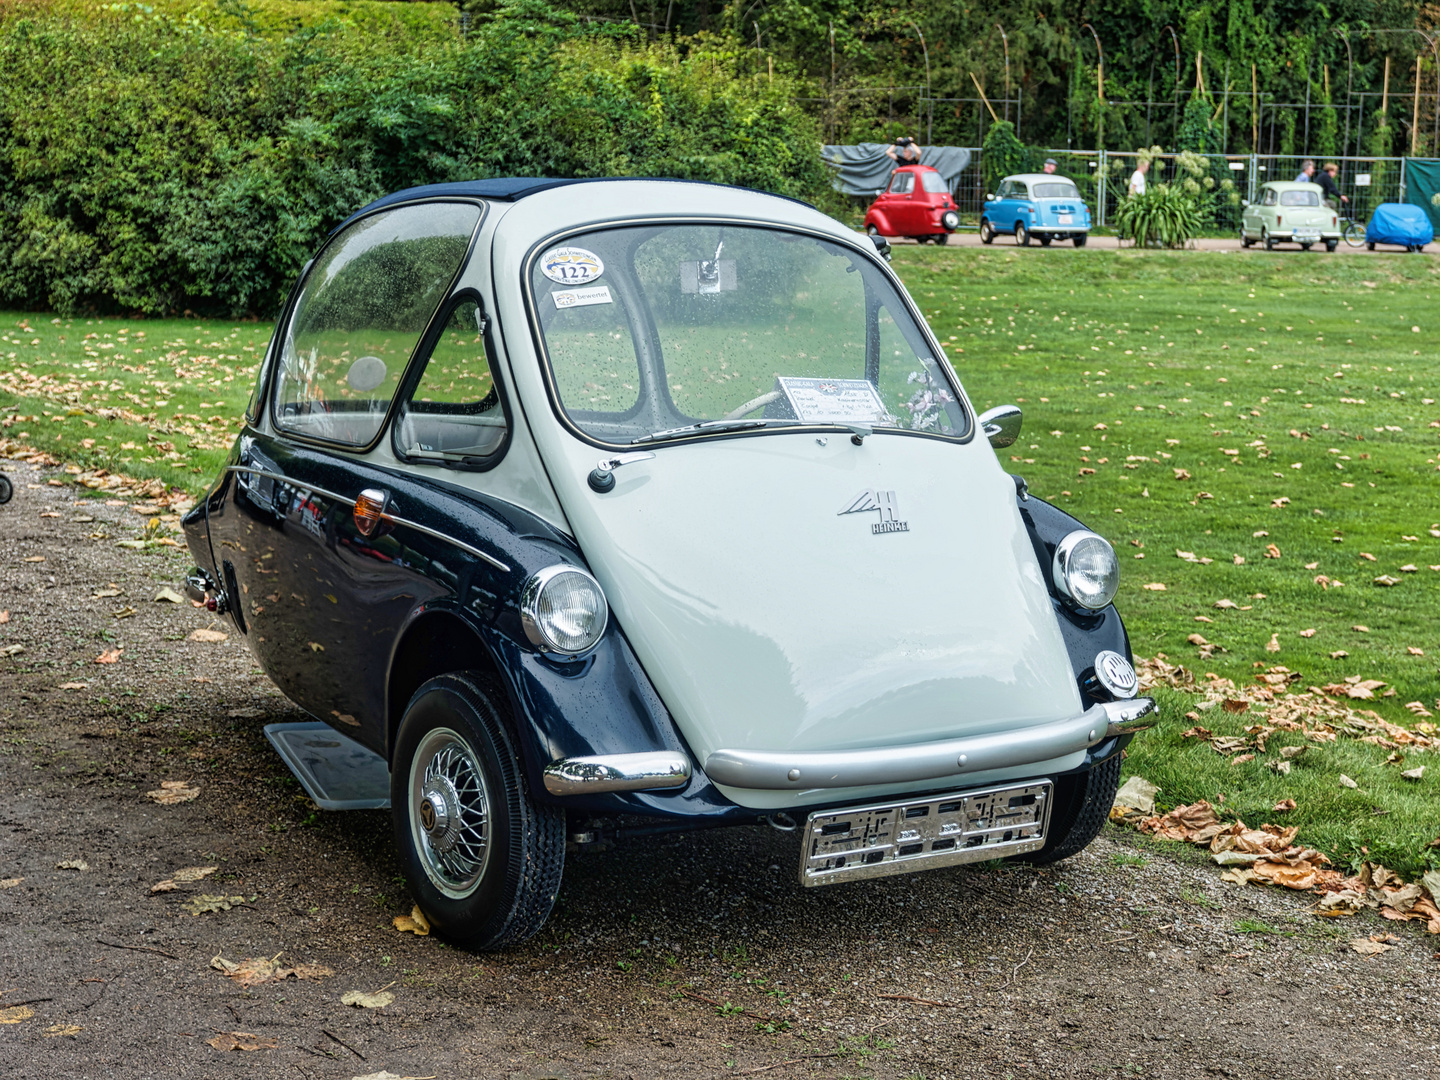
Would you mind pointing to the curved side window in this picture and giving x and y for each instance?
(455, 415)
(360, 314)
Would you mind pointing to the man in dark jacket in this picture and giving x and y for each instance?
(1326, 179)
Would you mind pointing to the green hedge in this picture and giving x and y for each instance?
(192, 157)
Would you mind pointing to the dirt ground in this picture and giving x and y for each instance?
(678, 956)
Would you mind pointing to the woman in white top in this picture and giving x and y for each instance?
(1137, 181)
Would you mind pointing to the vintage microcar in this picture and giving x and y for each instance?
(917, 203)
(590, 501)
(1293, 212)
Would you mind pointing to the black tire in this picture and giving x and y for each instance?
(1022, 234)
(1306, 247)
(987, 231)
(871, 230)
(1044, 240)
(7, 489)
(1353, 233)
(1245, 241)
(1267, 240)
(1331, 245)
(1081, 807)
(454, 747)
(1080, 239)
(1370, 245)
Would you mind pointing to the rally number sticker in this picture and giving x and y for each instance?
(571, 265)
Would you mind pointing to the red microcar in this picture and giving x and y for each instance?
(917, 204)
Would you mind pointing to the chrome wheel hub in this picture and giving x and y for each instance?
(450, 812)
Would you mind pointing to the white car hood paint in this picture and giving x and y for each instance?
(769, 620)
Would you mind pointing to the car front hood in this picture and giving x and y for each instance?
(787, 595)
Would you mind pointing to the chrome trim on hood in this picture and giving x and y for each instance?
(617, 772)
(803, 770)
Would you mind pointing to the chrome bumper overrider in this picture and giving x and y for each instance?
(803, 770)
(617, 772)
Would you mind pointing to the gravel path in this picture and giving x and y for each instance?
(670, 957)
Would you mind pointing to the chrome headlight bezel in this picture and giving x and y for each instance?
(543, 636)
(1061, 566)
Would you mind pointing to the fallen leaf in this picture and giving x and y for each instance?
(1283, 806)
(62, 1029)
(34, 558)
(208, 635)
(257, 970)
(1292, 751)
(10, 882)
(1417, 773)
(205, 903)
(1240, 759)
(1339, 654)
(4, 617)
(1345, 781)
(1361, 629)
(109, 656)
(1196, 639)
(1312, 566)
(1281, 767)
(416, 923)
(1271, 551)
(1136, 792)
(240, 1040)
(1413, 651)
(315, 646)
(73, 686)
(73, 864)
(168, 596)
(1367, 556)
(1226, 605)
(1235, 706)
(1154, 586)
(362, 1000)
(185, 875)
(1409, 568)
(1273, 645)
(1238, 560)
(104, 594)
(1374, 945)
(1308, 633)
(171, 792)
(1386, 579)
(15, 1013)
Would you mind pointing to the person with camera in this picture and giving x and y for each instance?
(904, 151)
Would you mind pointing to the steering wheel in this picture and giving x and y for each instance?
(751, 405)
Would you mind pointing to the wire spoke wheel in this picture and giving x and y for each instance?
(449, 812)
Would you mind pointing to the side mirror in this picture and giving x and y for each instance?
(989, 197)
(882, 245)
(1001, 425)
(1244, 202)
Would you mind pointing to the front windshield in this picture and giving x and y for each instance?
(662, 331)
(1057, 190)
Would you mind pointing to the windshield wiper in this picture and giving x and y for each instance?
(711, 425)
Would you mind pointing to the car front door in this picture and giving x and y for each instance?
(320, 599)
(1002, 211)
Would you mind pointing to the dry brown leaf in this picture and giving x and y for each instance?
(1413, 651)
(109, 656)
(1271, 551)
(1284, 806)
(62, 1029)
(1226, 605)
(1154, 586)
(205, 903)
(362, 1000)
(1386, 580)
(1235, 705)
(1417, 773)
(1196, 639)
(171, 792)
(1339, 654)
(257, 970)
(208, 635)
(1308, 633)
(416, 923)
(1374, 945)
(10, 882)
(1273, 645)
(240, 1040)
(73, 864)
(16, 1013)
(4, 617)
(1281, 767)
(1345, 781)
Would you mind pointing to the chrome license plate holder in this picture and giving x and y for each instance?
(1307, 234)
(924, 833)
(1066, 219)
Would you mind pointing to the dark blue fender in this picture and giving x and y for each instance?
(401, 595)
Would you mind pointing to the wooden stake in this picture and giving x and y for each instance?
(1415, 115)
(1385, 94)
(1199, 73)
(1326, 69)
(1254, 111)
(983, 98)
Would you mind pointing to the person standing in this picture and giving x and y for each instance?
(1307, 173)
(1331, 190)
(1137, 179)
(903, 152)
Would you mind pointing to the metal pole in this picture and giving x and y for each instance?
(1307, 105)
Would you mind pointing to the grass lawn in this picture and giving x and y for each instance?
(1273, 416)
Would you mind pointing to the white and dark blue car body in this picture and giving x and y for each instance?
(590, 501)
(1036, 206)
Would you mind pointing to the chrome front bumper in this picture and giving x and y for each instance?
(804, 770)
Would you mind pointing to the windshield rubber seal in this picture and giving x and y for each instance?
(870, 255)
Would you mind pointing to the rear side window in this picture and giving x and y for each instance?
(934, 183)
(455, 415)
(363, 309)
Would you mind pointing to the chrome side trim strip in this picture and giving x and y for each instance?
(406, 522)
(617, 772)
(448, 539)
(770, 770)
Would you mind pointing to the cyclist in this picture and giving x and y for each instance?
(1326, 179)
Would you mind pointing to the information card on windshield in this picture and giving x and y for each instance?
(833, 401)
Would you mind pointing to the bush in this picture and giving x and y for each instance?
(1166, 215)
(156, 162)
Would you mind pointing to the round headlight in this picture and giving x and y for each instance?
(1086, 570)
(563, 610)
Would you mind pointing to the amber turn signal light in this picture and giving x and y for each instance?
(369, 509)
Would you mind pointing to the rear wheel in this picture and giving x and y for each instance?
(1370, 245)
(1354, 234)
(1082, 804)
(1245, 241)
(987, 231)
(1331, 245)
(1044, 240)
(1306, 247)
(1080, 239)
(871, 230)
(483, 860)
(1022, 234)
(7, 489)
(1267, 240)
